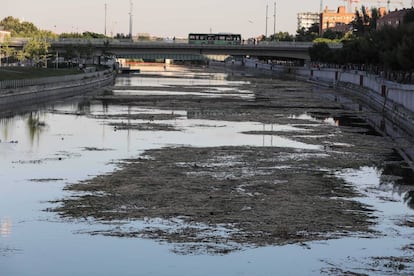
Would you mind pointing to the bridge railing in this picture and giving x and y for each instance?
(116, 41)
(167, 42)
(295, 44)
(182, 42)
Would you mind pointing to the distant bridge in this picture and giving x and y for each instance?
(291, 50)
(183, 51)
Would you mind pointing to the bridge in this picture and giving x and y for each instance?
(291, 50)
(183, 51)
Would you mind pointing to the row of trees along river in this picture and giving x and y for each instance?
(387, 51)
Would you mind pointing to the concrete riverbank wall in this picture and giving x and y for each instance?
(395, 100)
(18, 93)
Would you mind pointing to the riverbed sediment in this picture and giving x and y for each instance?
(220, 199)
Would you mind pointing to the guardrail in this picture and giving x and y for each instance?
(294, 44)
(169, 42)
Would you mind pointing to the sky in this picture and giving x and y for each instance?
(166, 18)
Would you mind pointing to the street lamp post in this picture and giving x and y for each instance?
(130, 18)
(274, 23)
(106, 5)
(267, 17)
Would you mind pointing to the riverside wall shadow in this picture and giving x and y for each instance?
(45, 90)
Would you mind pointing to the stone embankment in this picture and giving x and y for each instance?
(394, 100)
(15, 94)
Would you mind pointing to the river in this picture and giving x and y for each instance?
(44, 150)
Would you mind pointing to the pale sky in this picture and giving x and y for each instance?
(166, 18)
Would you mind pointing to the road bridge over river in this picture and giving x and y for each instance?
(291, 50)
(182, 50)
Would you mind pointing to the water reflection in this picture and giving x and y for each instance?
(409, 199)
(318, 117)
(84, 107)
(5, 125)
(183, 81)
(35, 126)
(5, 227)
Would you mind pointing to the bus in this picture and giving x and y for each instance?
(215, 39)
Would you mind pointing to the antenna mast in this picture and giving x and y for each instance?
(130, 18)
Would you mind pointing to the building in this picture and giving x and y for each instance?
(340, 27)
(393, 19)
(307, 19)
(331, 18)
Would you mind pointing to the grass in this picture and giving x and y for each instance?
(19, 73)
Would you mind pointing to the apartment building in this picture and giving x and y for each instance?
(332, 18)
(307, 19)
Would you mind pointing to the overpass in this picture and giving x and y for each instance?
(290, 50)
(183, 51)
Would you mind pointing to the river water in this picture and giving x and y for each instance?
(42, 151)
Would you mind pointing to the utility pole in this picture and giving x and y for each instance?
(321, 6)
(130, 18)
(267, 17)
(274, 23)
(106, 6)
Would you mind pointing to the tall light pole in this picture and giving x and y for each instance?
(106, 6)
(274, 23)
(267, 17)
(130, 18)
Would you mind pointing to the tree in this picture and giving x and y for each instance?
(373, 20)
(309, 34)
(6, 49)
(314, 28)
(405, 55)
(92, 35)
(21, 55)
(320, 52)
(36, 49)
(365, 22)
(18, 28)
(70, 35)
(329, 34)
(409, 16)
(281, 36)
